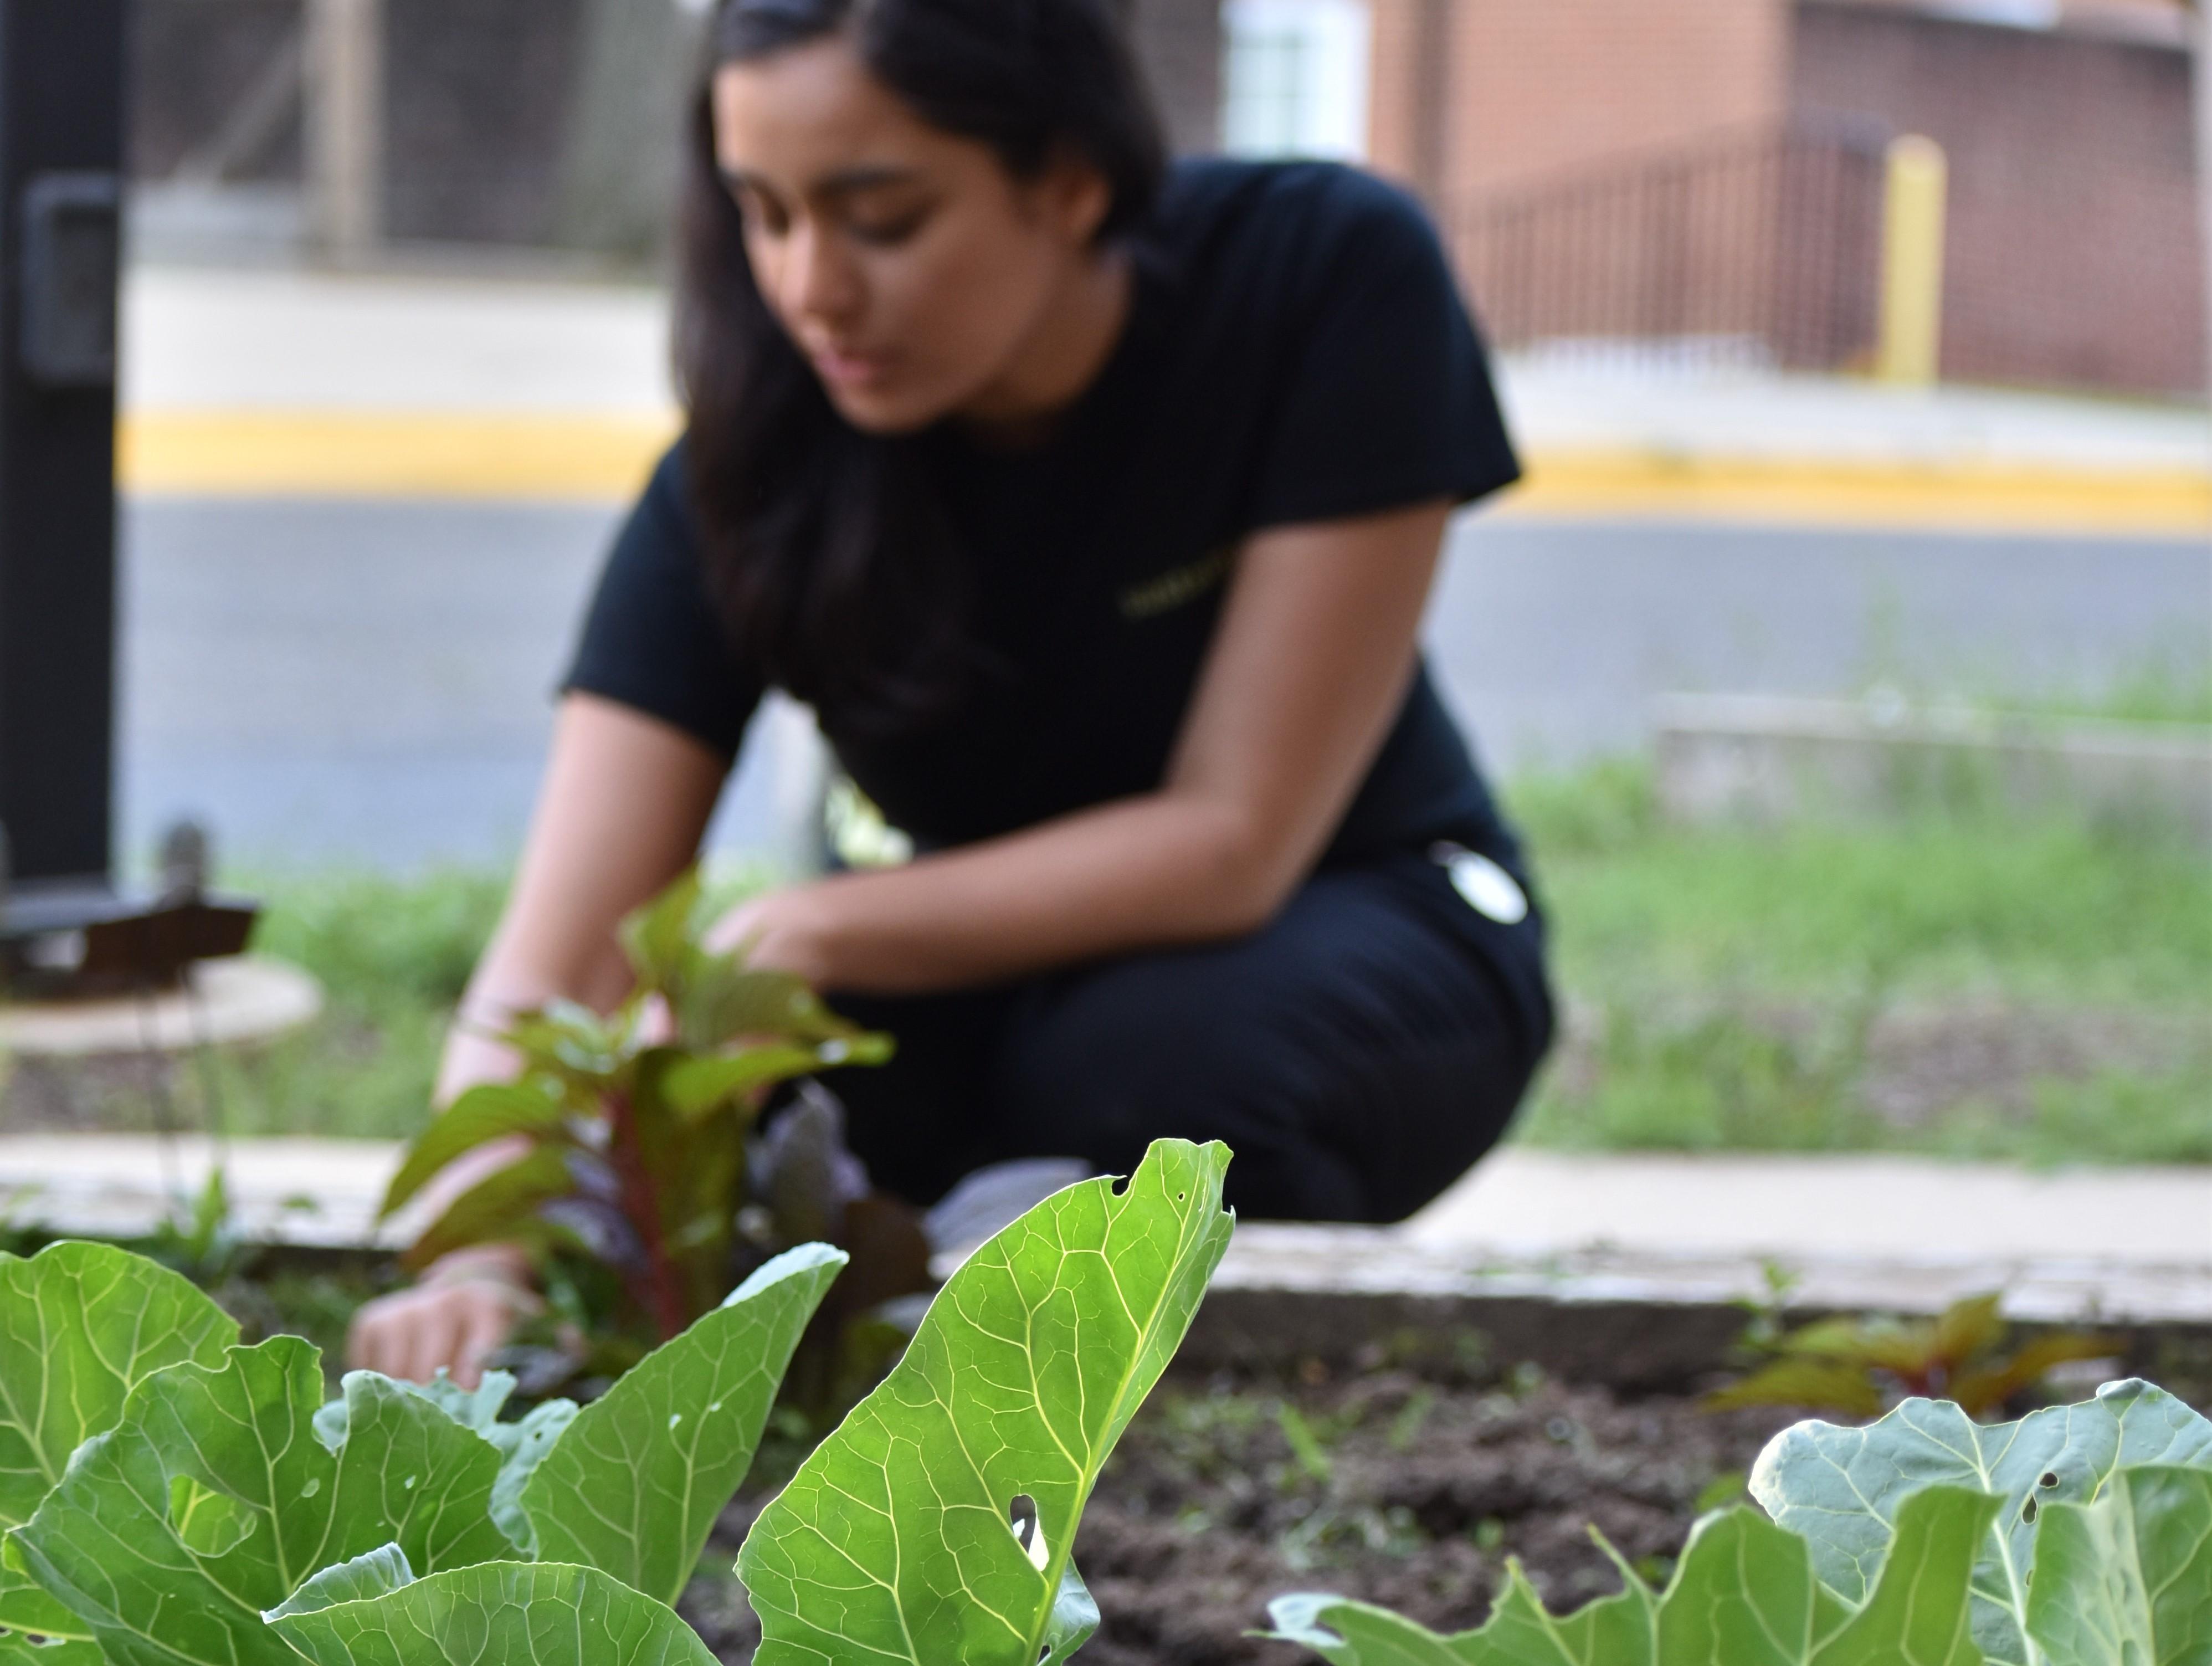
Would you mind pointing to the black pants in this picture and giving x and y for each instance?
(1356, 1054)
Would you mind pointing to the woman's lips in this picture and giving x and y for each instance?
(846, 369)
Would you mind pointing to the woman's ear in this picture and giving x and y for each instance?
(1075, 197)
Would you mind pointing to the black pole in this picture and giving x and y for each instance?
(61, 164)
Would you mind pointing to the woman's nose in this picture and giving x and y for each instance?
(816, 284)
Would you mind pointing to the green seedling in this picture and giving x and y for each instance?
(1405, 1426)
(1306, 1449)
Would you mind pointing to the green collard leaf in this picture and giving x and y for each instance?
(1920, 1614)
(409, 1474)
(1073, 1619)
(212, 1498)
(206, 1522)
(1841, 1487)
(503, 1205)
(934, 1524)
(1742, 1595)
(1348, 1633)
(634, 1483)
(374, 1573)
(81, 1324)
(545, 1615)
(2129, 1578)
(533, 1435)
(521, 1443)
(1621, 1630)
(476, 1409)
(492, 1111)
(18, 1649)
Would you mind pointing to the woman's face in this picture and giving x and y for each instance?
(917, 274)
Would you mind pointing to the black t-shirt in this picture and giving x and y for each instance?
(1296, 351)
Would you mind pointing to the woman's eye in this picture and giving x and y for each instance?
(759, 212)
(884, 230)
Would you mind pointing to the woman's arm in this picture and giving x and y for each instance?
(625, 800)
(1309, 665)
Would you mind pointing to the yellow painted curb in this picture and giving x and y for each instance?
(1951, 498)
(586, 459)
(600, 460)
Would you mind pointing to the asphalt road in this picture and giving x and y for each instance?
(369, 682)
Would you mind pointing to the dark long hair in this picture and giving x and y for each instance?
(827, 553)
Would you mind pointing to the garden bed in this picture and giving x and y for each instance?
(1411, 1465)
(1408, 1488)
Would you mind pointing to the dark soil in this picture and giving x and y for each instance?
(1389, 1486)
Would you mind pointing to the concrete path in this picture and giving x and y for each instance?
(1884, 1233)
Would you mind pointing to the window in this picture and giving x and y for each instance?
(1295, 78)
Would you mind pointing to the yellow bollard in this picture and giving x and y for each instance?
(1912, 264)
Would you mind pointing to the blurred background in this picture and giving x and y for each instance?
(1847, 654)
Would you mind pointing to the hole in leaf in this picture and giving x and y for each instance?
(2049, 1478)
(1121, 1185)
(1027, 1529)
(2027, 1510)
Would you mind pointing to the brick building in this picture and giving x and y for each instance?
(2073, 251)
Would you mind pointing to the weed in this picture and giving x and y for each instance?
(1855, 1365)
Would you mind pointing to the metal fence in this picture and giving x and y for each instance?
(1763, 247)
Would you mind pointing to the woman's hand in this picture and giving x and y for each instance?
(462, 1313)
(786, 931)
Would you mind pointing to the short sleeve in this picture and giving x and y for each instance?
(1385, 398)
(651, 640)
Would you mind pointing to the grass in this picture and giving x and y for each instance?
(393, 956)
(1783, 989)
(1958, 981)
(2159, 690)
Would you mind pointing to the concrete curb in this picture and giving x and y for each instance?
(1545, 1255)
(1640, 1321)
